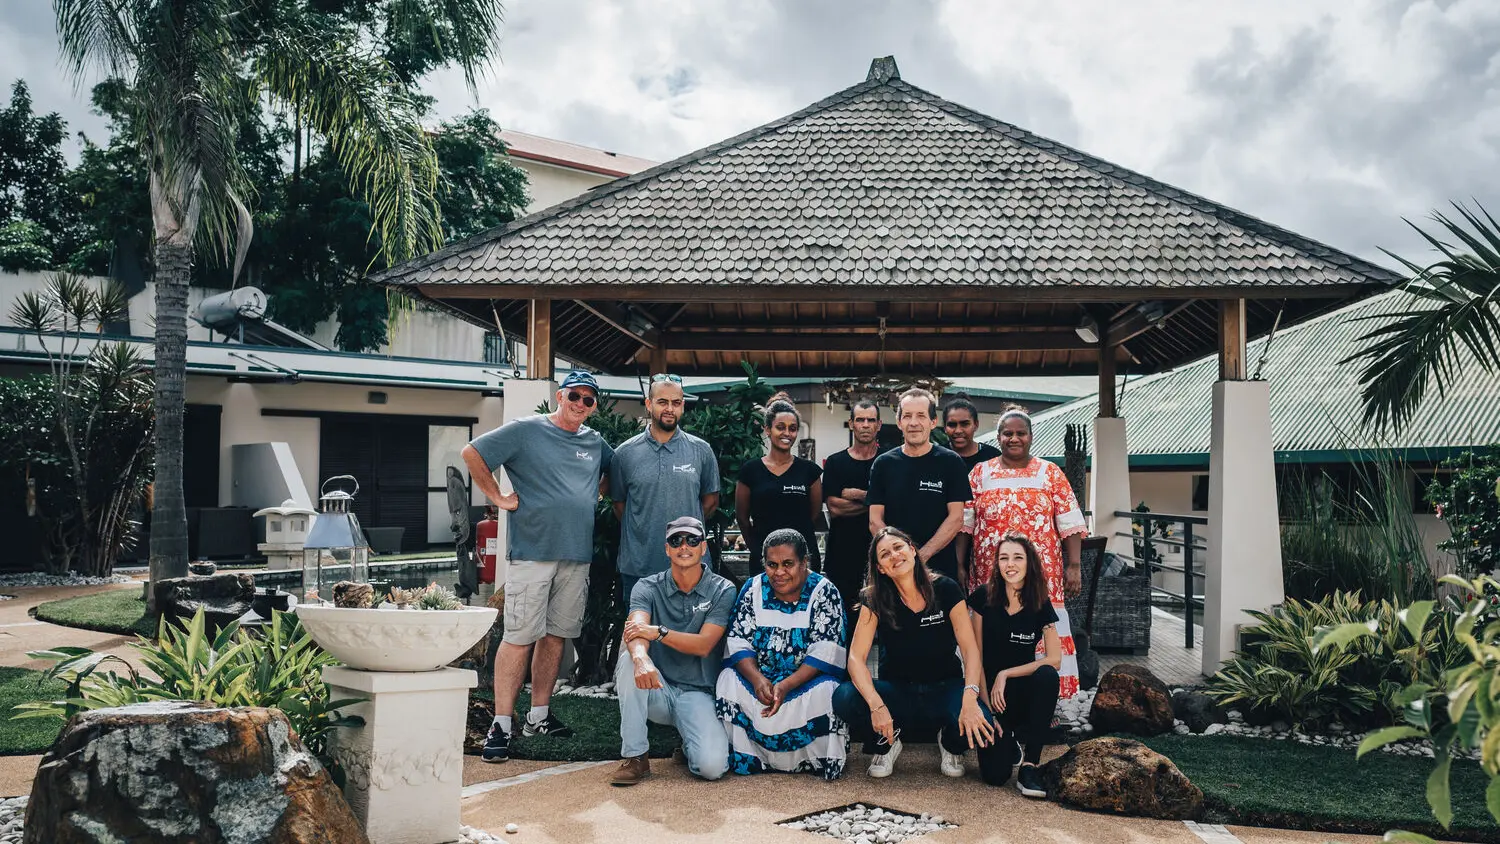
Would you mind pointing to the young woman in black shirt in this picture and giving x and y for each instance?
(1012, 615)
(923, 626)
(779, 490)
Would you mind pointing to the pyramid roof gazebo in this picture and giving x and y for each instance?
(884, 229)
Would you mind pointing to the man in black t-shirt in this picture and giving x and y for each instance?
(846, 477)
(921, 487)
(961, 424)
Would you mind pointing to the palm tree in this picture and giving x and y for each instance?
(191, 66)
(1454, 305)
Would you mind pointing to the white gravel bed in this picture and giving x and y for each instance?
(863, 824)
(35, 578)
(605, 690)
(1073, 716)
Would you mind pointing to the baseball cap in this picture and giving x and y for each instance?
(579, 378)
(686, 524)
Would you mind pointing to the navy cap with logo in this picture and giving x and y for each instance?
(687, 525)
(579, 378)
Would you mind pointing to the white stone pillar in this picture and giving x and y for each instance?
(1109, 484)
(1244, 529)
(404, 768)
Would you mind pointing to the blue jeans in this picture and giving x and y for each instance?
(704, 741)
(912, 705)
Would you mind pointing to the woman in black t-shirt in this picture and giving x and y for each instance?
(1011, 612)
(779, 490)
(923, 626)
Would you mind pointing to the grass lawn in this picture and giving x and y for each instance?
(1296, 786)
(115, 611)
(596, 728)
(30, 735)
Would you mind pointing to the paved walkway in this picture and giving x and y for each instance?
(1168, 658)
(674, 808)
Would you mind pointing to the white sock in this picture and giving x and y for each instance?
(537, 715)
(503, 721)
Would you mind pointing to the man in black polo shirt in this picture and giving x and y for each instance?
(921, 487)
(846, 477)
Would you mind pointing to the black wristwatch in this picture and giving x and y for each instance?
(661, 633)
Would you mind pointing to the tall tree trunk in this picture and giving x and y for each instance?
(169, 538)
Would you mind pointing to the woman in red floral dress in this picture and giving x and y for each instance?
(1018, 492)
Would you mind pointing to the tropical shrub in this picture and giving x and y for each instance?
(1462, 712)
(280, 667)
(1467, 501)
(1280, 674)
(76, 443)
(1352, 533)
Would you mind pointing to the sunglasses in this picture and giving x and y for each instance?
(588, 401)
(664, 376)
(676, 540)
(895, 734)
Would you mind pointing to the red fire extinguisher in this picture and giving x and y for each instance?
(487, 541)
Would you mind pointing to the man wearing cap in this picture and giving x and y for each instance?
(658, 475)
(556, 465)
(673, 647)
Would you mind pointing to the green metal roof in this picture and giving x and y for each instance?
(1315, 404)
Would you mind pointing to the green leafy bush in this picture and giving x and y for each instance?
(1462, 712)
(1468, 502)
(1280, 674)
(280, 667)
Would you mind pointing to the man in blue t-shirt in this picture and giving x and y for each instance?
(556, 465)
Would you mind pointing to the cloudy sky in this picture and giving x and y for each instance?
(1334, 118)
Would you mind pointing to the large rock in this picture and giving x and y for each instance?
(1122, 776)
(176, 772)
(1131, 700)
(1198, 710)
(222, 597)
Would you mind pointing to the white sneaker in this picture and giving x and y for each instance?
(885, 764)
(952, 764)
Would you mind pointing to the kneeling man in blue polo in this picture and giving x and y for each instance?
(673, 647)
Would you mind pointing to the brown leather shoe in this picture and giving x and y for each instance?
(632, 771)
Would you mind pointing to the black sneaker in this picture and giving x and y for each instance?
(550, 726)
(1029, 782)
(496, 744)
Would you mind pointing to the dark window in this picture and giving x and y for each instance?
(1200, 492)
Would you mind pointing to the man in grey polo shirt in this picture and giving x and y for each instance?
(658, 475)
(556, 464)
(674, 644)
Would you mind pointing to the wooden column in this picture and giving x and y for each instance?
(539, 339)
(1107, 409)
(1232, 340)
(658, 357)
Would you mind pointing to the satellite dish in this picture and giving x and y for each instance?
(463, 534)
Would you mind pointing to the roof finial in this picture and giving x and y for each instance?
(883, 70)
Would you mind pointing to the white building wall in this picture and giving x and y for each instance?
(548, 184)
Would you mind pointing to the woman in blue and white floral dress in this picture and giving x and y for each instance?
(785, 658)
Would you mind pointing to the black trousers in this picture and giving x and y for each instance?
(1027, 720)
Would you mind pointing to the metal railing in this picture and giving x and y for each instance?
(1193, 546)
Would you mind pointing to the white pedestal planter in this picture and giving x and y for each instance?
(404, 767)
(396, 640)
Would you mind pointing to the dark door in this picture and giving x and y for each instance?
(200, 450)
(388, 456)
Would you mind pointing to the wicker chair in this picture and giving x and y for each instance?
(1115, 611)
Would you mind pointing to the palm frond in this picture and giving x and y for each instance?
(464, 31)
(350, 96)
(1454, 307)
(95, 32)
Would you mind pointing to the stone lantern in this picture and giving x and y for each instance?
(286, 534)
(336, 548)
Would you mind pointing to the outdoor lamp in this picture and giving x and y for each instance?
(336, 548)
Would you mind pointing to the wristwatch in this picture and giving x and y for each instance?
(661, 633)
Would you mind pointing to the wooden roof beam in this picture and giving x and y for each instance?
(990, 341)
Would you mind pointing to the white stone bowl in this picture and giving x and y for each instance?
(395, 640)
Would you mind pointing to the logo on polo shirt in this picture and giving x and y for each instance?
(929, 486)
(584, 455)
(686, 468)
(703, 607)
(1019, 638)
(932, 619)
(802, 488)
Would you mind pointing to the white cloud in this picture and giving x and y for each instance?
(1334, 118)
